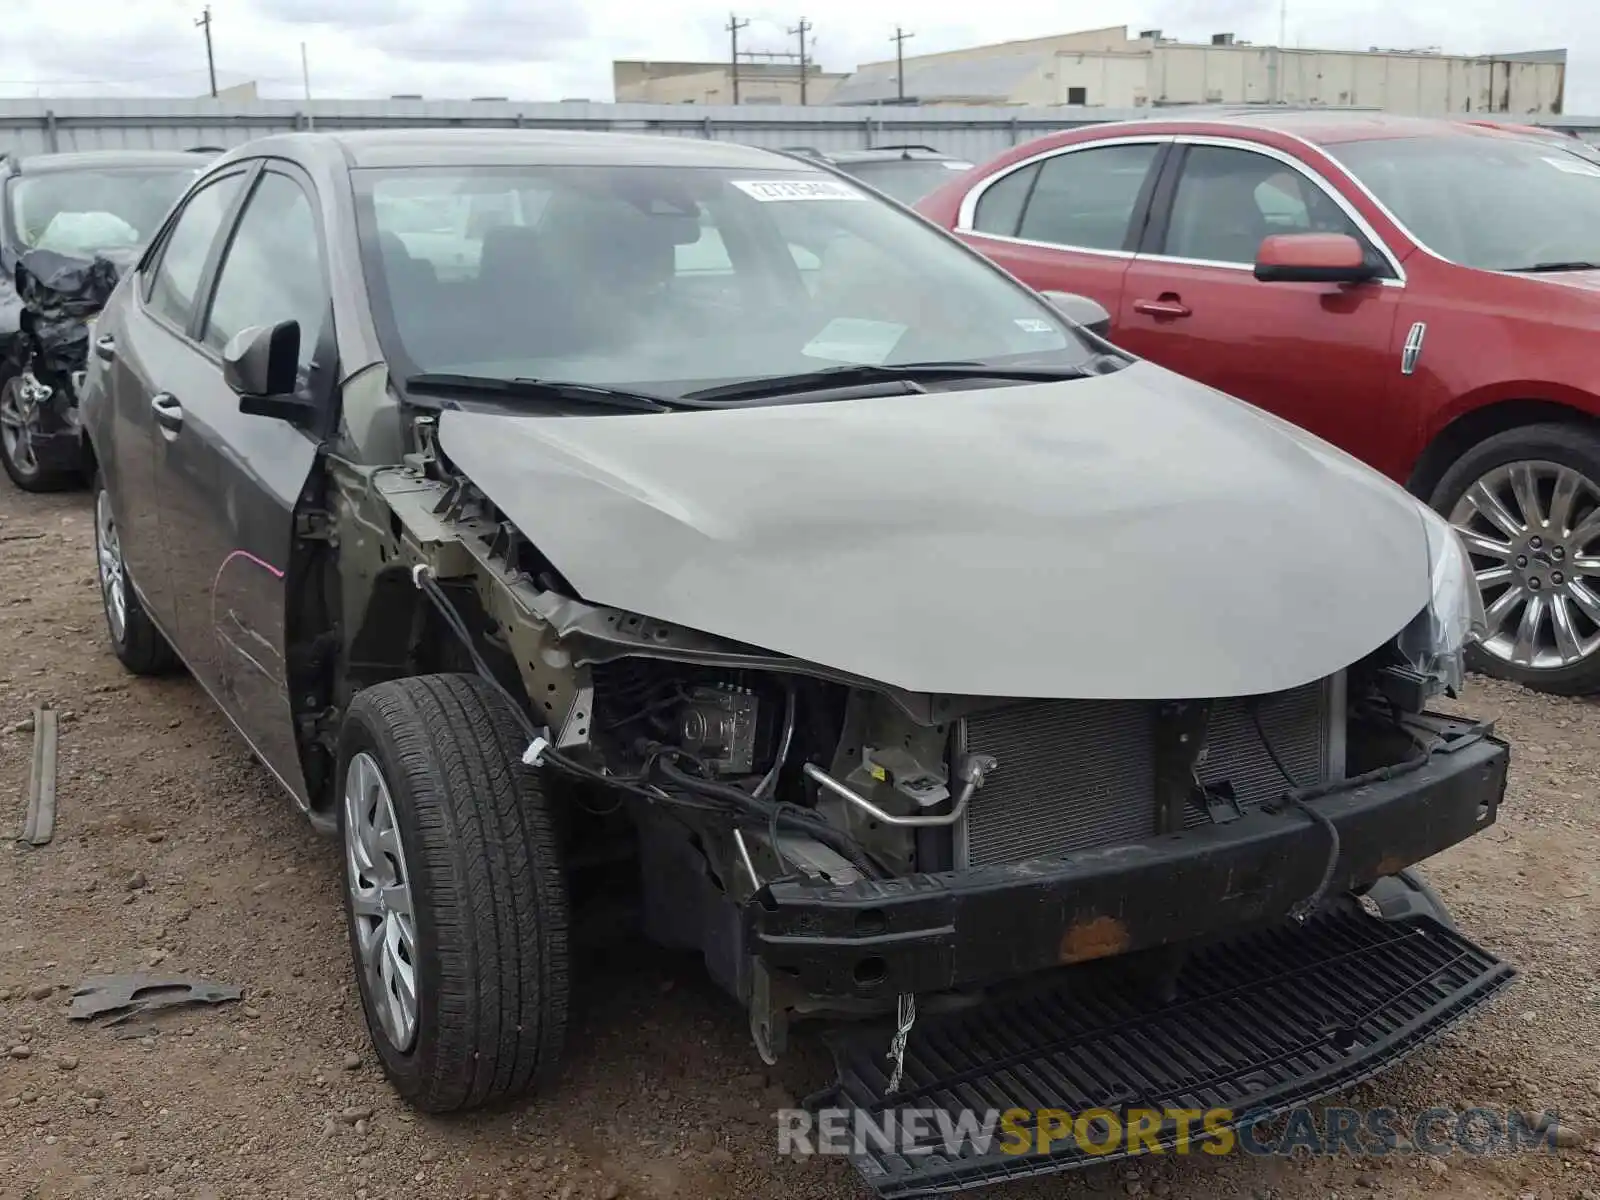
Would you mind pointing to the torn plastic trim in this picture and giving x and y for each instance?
(129, 995)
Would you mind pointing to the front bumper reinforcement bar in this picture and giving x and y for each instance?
(931, 933)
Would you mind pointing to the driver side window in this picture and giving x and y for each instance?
(273, 268)
(1229, 200)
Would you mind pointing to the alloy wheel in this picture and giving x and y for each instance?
(113, 579)
(1532, 530)
(380, 900)
(18, 421)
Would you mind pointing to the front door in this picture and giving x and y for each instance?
(231, 482)
(1316, 354)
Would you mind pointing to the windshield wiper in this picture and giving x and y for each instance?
(1544, 267)
(853, 373)
(440, 383)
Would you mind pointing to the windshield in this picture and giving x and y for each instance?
(1496, 203)
(669, 280)
(84, 212)
(906, 179)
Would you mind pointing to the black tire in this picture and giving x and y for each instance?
(31, 477)
(1574, 446)
(140, 647)
(488, 895)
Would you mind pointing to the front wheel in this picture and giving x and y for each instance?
(456, 901)
(1527, 505)
(19, 429)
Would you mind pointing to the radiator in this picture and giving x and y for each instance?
(1078, 774)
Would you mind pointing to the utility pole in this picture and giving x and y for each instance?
(204, 22)
(802, 29)
(899, 40)
(733, 27)
(305, 75)
(1283, 23)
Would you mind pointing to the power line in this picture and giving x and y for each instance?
(899, 40)
(802, 29)
(204, 22)
(733, 26)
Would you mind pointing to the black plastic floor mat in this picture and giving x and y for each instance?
(1256, 1026)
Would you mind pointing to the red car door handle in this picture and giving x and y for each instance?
(1169, 307)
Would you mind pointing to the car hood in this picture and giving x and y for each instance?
(1129, 536)
(1578, 281)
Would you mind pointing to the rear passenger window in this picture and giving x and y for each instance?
(1000, 207)
(177, 275)
(1086, 199)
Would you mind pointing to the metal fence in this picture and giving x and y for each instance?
(35, 126)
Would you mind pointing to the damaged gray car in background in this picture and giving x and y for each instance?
(69, 225)
(566, 517)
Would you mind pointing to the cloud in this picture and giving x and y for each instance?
(562, 48)
(467, 32)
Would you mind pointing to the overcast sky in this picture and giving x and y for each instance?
(529, 50)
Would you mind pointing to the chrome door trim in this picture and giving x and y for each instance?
(969, 202)
(1016, 241)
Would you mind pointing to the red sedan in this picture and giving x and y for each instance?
(1424, 294)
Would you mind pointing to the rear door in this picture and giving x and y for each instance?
(138, 349)
(1070, 220)
(231, 481)
(1317, 354)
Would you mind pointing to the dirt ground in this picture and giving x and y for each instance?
(174, 850)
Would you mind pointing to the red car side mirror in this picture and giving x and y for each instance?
(1313, 258)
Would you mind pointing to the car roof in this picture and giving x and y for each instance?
(1321, 128)
(513, 147)
(84, 160)
(889, 154)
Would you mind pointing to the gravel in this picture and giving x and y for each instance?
(283, 1107)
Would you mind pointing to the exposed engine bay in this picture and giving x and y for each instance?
(741, 775)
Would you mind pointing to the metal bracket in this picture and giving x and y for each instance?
(314, 525)
(1222, 805)
(769, 1023)
(1180, 749)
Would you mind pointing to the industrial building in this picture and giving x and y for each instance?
(639, 82)
(1107, 68)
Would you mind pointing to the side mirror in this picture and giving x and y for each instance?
(1082, 310)
(1313, 258)
(260, 365)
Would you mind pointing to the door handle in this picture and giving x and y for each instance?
(169, 413)
(106, 347)
(1169, 307)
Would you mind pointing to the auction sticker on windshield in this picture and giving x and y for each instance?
(796, 189)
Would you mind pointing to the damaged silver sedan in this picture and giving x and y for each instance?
(568, 517)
